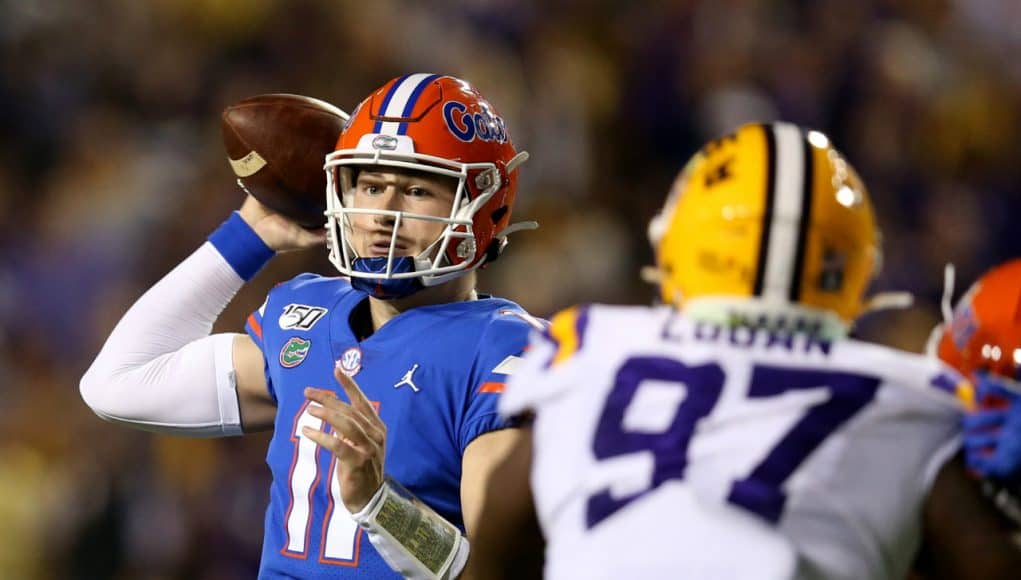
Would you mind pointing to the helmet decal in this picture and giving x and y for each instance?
(399, 102)
(467, 127)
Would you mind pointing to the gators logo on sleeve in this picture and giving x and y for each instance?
(294, 352)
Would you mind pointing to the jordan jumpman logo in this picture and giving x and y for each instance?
(407, 379)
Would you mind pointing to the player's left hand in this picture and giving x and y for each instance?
(357, 440)
(992, 433)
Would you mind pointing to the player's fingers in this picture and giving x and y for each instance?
(981, 441)
(994, 391)
(354, 393)
(254, 208)
(345, 452)
(324, 398)
(990, 464)
(345, 427)
(977, 462)
(323, 439)
(370, 424)
(373, 426)
(370, 421)
(984, 419)
(310, 238)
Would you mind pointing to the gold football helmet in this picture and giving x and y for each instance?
(770, 219)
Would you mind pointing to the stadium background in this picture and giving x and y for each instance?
(112, 170)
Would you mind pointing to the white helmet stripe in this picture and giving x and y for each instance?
(786, 215)
(401, 94)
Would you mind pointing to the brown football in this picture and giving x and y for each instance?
(276, 145)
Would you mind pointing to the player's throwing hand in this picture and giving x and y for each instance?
(357, 440)
(280, 233)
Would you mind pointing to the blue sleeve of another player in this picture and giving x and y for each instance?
(499, 352)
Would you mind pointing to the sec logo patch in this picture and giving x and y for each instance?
(294, 352)
(350, 362)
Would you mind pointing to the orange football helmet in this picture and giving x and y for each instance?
(984, 333)
(437, 124)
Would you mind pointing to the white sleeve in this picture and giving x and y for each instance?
(160, 370)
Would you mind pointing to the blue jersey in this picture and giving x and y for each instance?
(433, 373)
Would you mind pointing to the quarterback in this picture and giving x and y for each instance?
(384, 479)
(736, 431)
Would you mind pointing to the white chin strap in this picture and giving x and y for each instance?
(946, 307)
(889, 301)
(949, 275)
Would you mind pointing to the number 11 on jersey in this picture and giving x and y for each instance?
(341, 536)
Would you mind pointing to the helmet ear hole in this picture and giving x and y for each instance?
(495, 249)
(498, 214)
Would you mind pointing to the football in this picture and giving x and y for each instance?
(276, 145)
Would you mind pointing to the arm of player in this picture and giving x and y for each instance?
(161, 370)
(963, 535)
(505, 536)
(992, 431)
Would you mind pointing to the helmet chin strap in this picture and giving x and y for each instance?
(889, 301)
(385, 288)
(949, 275)
(947, 309)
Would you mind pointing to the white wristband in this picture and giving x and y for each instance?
(413, 539)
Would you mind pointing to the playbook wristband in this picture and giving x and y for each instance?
(243, 249)
(413, 539)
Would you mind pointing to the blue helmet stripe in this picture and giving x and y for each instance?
(410, 106)
(386, 102)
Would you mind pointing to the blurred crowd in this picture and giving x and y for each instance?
(112, 170)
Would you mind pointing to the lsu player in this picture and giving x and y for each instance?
(390, 474)
(737, 432)
(982, 339)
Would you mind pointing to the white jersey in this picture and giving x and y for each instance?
(665, 448)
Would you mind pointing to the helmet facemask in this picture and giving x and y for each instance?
(454, 251)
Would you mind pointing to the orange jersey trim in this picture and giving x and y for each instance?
(492, 387)
(256, 327)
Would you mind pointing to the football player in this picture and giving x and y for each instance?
(421, 191)
(737, 432)
(982, 340)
